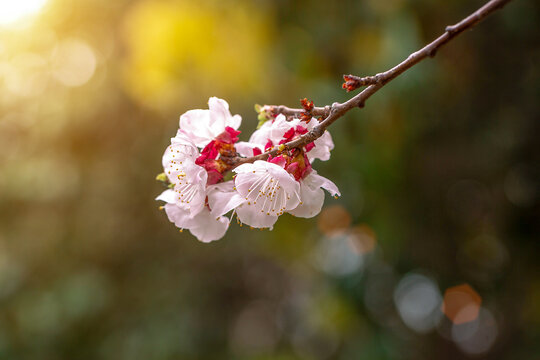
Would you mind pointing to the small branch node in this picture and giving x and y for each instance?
(353, 82)
(450, 29)
(315, 133)
(327, 110)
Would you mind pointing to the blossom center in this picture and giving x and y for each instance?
(210, 157)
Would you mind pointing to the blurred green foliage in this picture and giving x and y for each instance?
(438, 174)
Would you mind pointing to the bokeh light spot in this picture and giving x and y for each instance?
(478, 336)
(461, 304)
(25, 75)
(417, 298)
(333, 220)
(74, 62)
(337, 256)
(362, 238)
(520, 187)
(13, 10)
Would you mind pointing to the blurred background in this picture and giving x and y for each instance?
(432, 252)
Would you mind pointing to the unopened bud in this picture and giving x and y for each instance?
(161, 177)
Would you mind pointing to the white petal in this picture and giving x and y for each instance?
(246, 148)
(203, 126)
(208, 228)
(181, 148)
(196, 124)
(180, 217)
(244, 168)
(285, 179)
(319, 181)
(176, 170)
(181, 152)
(182, 138)
(312, 202)
(190, 187)
(204, 226)
(221, 116)
(271, 130)
(252, 217)
(222, 198)
(268, 191)
(169, 196)
(323, 146)
(249, 174)
(312, 196)
(235, 121)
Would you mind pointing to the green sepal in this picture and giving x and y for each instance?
(228, 176)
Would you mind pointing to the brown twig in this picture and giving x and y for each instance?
(316, 111)
(353, 82)
(376, 82)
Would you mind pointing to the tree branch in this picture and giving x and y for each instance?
(374, 83)
(287, 111)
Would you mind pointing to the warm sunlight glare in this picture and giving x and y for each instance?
(13, 10)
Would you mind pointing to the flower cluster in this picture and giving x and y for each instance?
(195, 166)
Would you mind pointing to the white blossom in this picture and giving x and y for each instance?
(267, 191)
(198, 197)
(189, 179)
(203, 126)
(189, 171)
(312, 195)
(203, 225)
